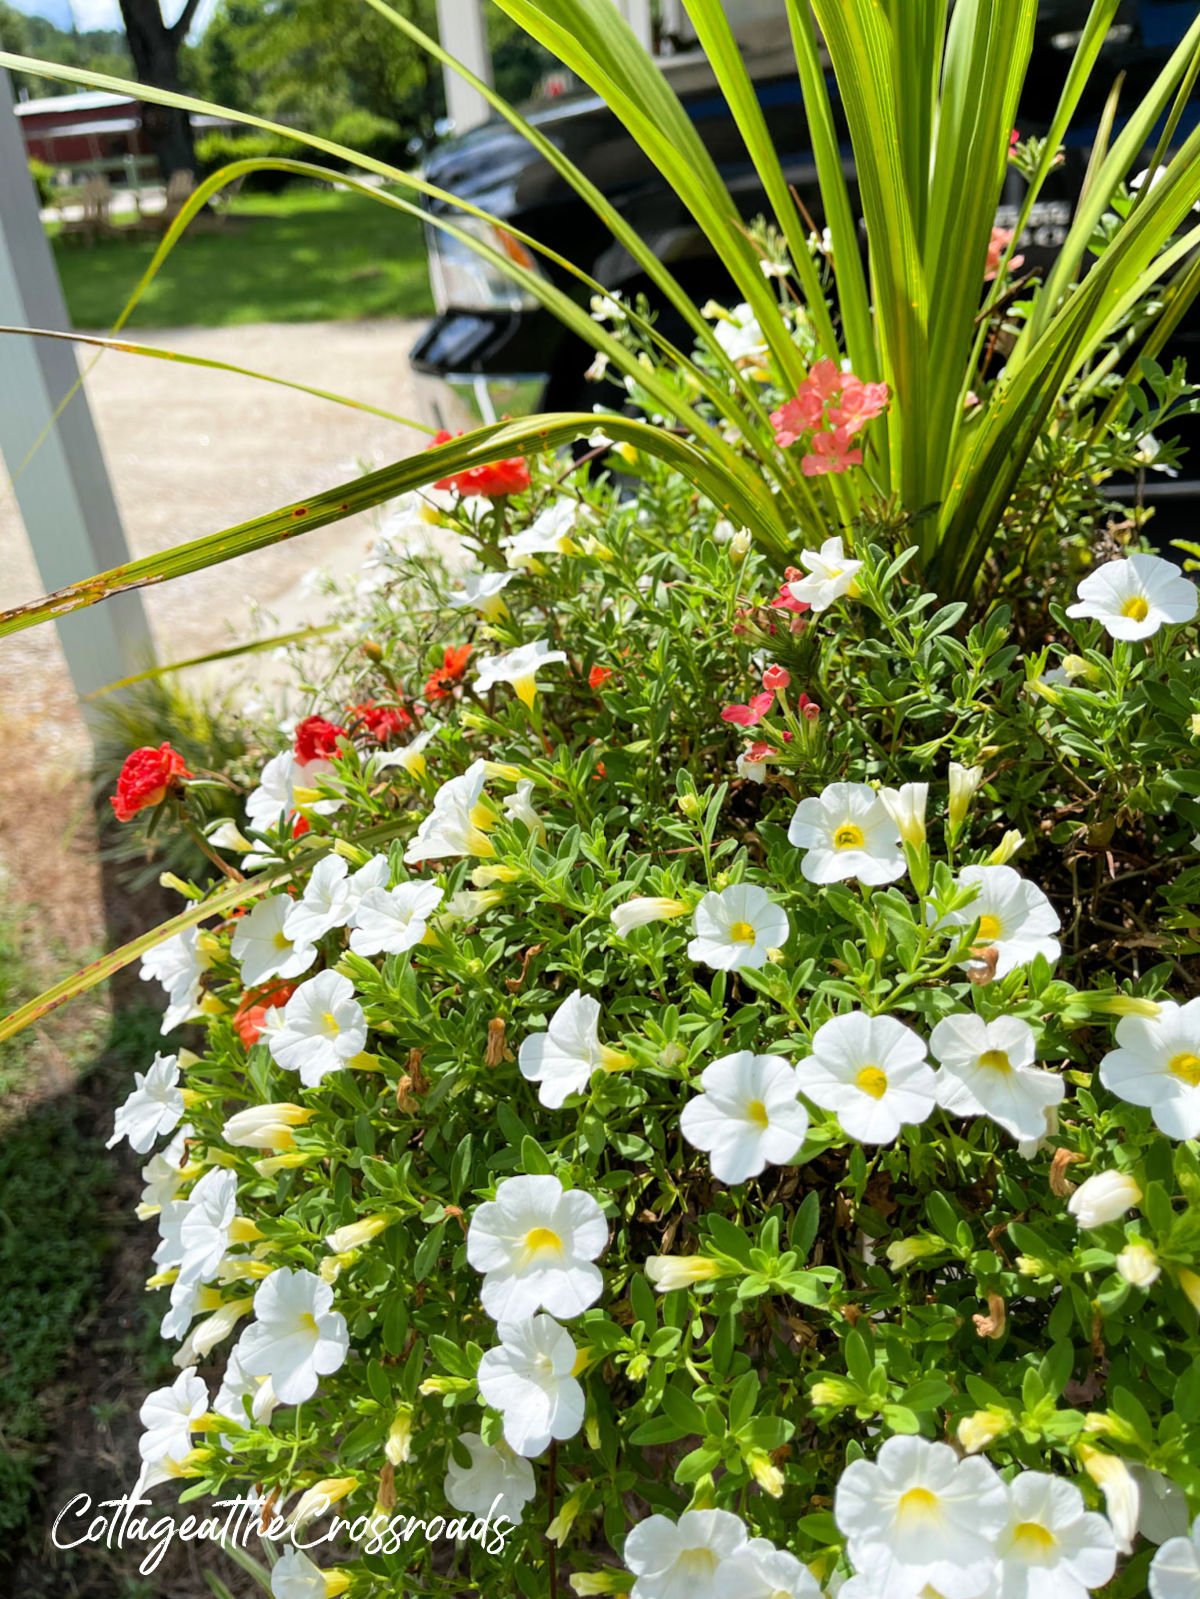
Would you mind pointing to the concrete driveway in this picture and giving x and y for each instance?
(193, 451)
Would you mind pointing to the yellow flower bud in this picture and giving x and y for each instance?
(399, 1439)
(669, 1272)
(357, 1233)
(977, 1431)
(315, 1501)
(765, 1472)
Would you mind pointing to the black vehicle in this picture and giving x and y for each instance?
(493, 352)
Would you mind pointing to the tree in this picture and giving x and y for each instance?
(155, 47)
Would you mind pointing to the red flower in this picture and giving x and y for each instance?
(442, 679)
(598, 676)
(145, 778)
(382, 722)
(776, 677)
(251, 1014)
(316, 739)
(1014, 138)
(300, 826)
(749, 715)
(808, 709)
(510, 476)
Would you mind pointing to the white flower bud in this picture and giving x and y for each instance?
(1103, 1198)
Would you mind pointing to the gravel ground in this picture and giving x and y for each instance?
(192, 451)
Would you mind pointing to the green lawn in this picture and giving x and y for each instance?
(305, 255)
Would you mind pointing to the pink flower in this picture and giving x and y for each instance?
(859, 404)
(999, 242)
(797, 417)
(833, 451)
(783, 600)
(776, 677)
(1014, 138)
(808, 710)
(749, 715)
(831, 406)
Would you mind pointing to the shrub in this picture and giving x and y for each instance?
(43, 181)
(785, 930)
(217, 150)
(369, 134)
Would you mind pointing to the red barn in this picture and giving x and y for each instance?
(93, 131)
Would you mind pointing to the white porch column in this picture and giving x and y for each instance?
(463, 33)
(63, 491)
(637, 15)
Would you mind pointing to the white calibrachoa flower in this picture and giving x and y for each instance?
(919, 1515)
(265, 1126)
(1134, 596)
(760, 1571)
(518, 667)
(458, 822)
(390, 921)
(548, 534)
(847, 831)
(262, 946)
(154, 1108)
(871, 1071)
(238, 1384)
(1015, 918)
(274, 801)
(687, 1559)
(167, 1417)
(178, 963)
(562, 1059)
(295, 1576)
(296, 1337)
(906, 806)
(481, 592)
(741, 338)
(325, 903)
(1103, 1198)
(1157, 1064)
(529, 1379)
(1138, 1264)
(536, 1244)
(496, 1479)
(747, 1117)
(988, 1070)
(207, 1224)
(1175, 1569)
(737, 927)
(163, 1175)
(1052, 1547)
(323, 1028)
(831, 573)
(641, 912)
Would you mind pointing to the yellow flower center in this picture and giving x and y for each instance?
(1186, 1067)
(1136, 607)
(331, 1025)
(848, 836)
(281, 942)
(756, 1112)
(874, 1082)
(742, 933)
(918, 1504)
(989, 929)
(995, 1060)
(1032, 1541)
(542, 1241)
(309, 1322)
(697, 1563)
